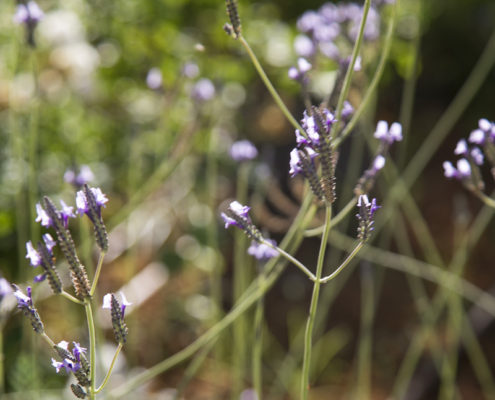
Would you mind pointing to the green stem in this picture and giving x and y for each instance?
(350, 70)
(375, 81)
(258, 348)
(270, 87)
(312, 309)
(2, 358)
(92, 347)
(485, 199)
(343, 265)
(253, 293)
(293, 260)
(71, 298)
(107, 377)
(240, 280)
(97, 273)
(47, 339)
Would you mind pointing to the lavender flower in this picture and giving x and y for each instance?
(365, 217)
(386, 135)
(461, 148)
(203, 90)
(299, 73)
(117, 312)
(238, 215)
(477, 156)
(154, 78)
(75, 362)
(463, 169)
(243, 150)
(25, 304)
(42, 216)
(89, 201)
(29, 14)
(313, 130)
(44, 257)
(261, 251)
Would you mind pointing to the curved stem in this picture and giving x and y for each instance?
(92, 347)
(252, 294)
(97, 273)
(270, 87)
(374, 82)
(47, 339)
(71, 298)
(350, 70)
(343, 265)
(485, 199)
(312, 309)
(107, 377)
(292, 259)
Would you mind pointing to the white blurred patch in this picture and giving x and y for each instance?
(61, 27)
(199, 307)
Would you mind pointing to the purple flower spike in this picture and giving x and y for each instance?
(238, 210)
(461, 148)
(84, 176)
(295, 163)
(449, 170)
(43, 216)
(464, 168)
(33, 255)
(22, 299)
(386, 135)
(66, 213)
(477, 137)
(365, 216)
(29, 13)
(243, 150)
(83, 204)
(477, 156)
(261, 251)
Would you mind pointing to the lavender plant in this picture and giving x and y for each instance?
(89, 202)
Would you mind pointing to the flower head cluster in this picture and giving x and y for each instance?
(28, 14)
(25, 304)
(43, 257)
(243, 150)
(472, 153)
(50, 216)
(89, 201)
(298, 73)
(238, 215)
(61, 216)
(365, 217)
(316, 142)
(74, 361)
(117, 311)
(323, 29)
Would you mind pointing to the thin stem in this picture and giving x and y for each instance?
(292, 259)
(92, 347)
(240, 282)
(335, 221)
(258, 348)
(270, 87)
(107, 377)
(47, 339)
(97, 273)
(485, 199)
(350, 70)
(308, 339)
(374, 82)
(71, 298)
(256, 290)
(343, 265)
